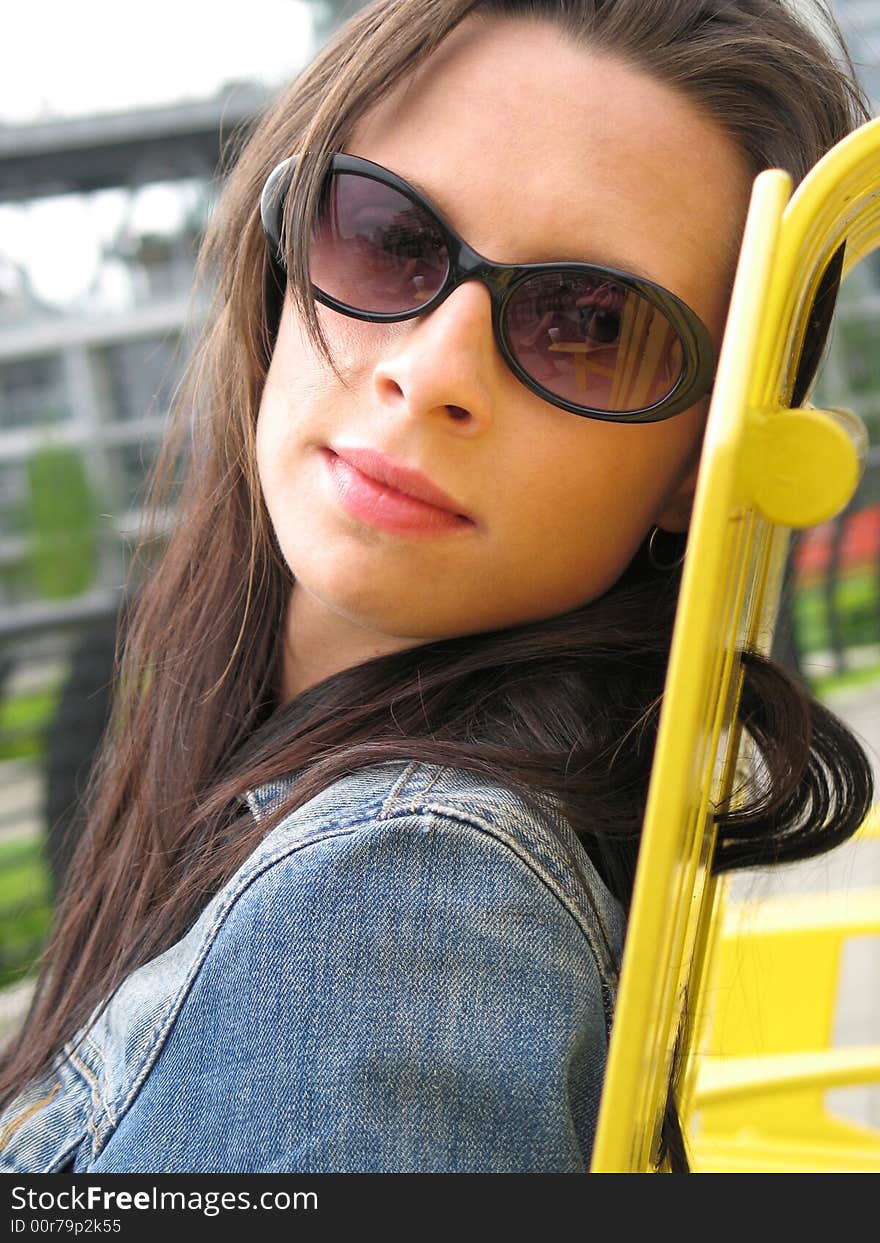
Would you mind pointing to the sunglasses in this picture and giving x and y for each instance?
(590, 339)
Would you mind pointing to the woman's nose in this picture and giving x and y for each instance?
(445, 361)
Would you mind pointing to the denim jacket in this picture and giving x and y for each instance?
(405, 975)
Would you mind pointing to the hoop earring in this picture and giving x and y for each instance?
(652, 556)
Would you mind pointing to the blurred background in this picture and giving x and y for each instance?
(111, 128)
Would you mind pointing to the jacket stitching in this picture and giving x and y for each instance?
(437, 775)
(96, 1138)
(11, 1127)
(90, 1121)
(88, 1043)
(85, 1073)
(97, 1096)
(63, 1156)
(391, 798)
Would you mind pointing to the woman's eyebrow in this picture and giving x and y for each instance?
(600, 258)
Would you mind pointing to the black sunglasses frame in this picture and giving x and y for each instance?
(502, 279)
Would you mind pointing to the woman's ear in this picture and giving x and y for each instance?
(677, 509)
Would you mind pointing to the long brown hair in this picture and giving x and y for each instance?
(566, 705)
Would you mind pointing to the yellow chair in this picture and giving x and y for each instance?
(767, 1061)
(765, 469)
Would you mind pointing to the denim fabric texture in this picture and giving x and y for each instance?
(406, 975)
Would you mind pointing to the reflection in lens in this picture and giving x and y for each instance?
(374, 249)
(592, 341)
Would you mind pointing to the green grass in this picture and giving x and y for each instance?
(25, 875)
(24, 719)
(25, 908)
(827, 684)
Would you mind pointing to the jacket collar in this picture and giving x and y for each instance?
(264, 799)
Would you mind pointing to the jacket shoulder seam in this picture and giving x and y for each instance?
(472, 818)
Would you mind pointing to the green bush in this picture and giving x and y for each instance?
(857, 596)
(63, 519)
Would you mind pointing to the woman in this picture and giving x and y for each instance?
(362, 836)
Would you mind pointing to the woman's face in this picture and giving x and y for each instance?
(534, 150)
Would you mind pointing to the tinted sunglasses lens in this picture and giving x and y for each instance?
(373, 249)
(592, 342)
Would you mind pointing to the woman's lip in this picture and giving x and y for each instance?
(386, 508)
(384, 470)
